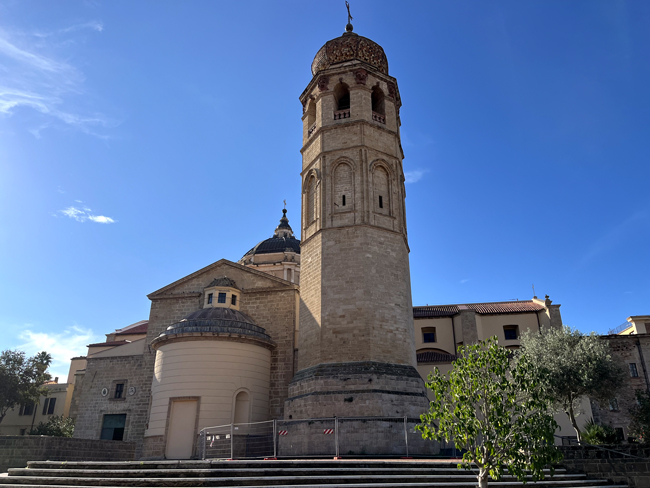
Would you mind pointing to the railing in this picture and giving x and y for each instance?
(311, 130)
(620, 328)
(378, 117)
(573, 441)
(342, 114)
(320, 437)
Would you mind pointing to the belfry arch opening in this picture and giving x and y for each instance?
(377, 98)
(342, 96)
(311, 116)
(311, 199)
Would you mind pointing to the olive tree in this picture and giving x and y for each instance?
(22, 378)
(573, 365)
(491, 405)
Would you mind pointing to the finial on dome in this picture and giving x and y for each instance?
(284, 229)
(348, 27)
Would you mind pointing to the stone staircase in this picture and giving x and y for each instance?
(312, 473)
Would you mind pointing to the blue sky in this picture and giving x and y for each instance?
(141, 141)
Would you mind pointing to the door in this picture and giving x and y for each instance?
(113, 427)
(180, 436)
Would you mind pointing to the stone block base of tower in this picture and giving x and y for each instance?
(356, 389)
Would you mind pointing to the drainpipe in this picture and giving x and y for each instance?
(645, 370)
(453, 331)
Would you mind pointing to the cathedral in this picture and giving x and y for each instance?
(307, 329)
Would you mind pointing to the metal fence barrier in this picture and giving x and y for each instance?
(324, 437)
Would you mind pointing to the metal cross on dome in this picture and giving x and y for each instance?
(349, 16)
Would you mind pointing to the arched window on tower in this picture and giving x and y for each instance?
(241, 414)
(342, 98)
(343, 184)
(378, 105)
(311, 199)
(311, 117)
(381, 191)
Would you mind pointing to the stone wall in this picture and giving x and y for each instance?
(16, 451)
(603, 464)
(628, 349)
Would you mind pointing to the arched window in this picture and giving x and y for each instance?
(342, 187)
(381, 191)
(311, 200)
(242, 408)
(342, 96)
(377, 98)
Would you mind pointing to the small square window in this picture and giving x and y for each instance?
(343, 200)
(221, 298)
(119, 390)
(510, 332)
(613, 405)
(209, 298)
(633, 371)
(429, 334)
(233, 300)
(27, 409)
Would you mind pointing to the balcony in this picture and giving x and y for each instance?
(379, 118)
(342, 114)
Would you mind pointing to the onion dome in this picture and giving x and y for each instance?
(348, 47)
(216, 322)
(281, 241)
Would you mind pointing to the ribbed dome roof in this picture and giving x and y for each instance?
(346, 48)
(217, 320)
(282, 240)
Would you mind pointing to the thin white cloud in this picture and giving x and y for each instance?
(34, 77)
(82, 214)
(62, 346)
(413, 176)
(463, 281)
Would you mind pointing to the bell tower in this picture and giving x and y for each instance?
(356, 347)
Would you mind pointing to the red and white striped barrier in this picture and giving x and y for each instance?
(328, 431)
(283, 432)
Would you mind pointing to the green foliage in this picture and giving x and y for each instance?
(56, 426)
(22, 378)
(573, 365)
(599, 434)
(640, 424)
(490, 404)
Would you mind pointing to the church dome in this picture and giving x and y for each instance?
(281, 241)
(348, 47)
(217, 321)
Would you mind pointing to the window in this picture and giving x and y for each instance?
(242, 408)
(343, 200)
(381, 202)
(48, 406)
(26, 409)
(233, 300)
(342, 95)
(619, 433)
(113, 427)
(222, 297)
(510, 332)
(377, 99)
(119, 390)
(311, 199)
(613, 405)
(209, 297)
(633, 371)
(429, 334)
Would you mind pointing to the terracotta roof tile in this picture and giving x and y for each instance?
(480, 308)
(435, 357)
(140, 329)
(113, 343)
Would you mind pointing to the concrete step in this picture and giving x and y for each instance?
(415, 480)
(233, 472)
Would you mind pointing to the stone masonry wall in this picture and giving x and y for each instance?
(626, 350)
(103, 373)
(16, 451)
(616, 467)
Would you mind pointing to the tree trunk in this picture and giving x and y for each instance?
(482, 478)
(572, 418)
